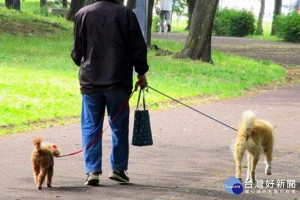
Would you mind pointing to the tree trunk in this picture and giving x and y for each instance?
(74, 7)
(191, 6)
(9, 4)
(43, 3)
(198, 43)
(131, 4)
(259, 28)
(150, 15)
(65, 3)
(277, 11)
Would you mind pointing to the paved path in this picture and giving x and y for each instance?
(284, 53)
(190, 159)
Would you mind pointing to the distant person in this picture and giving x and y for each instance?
(165, 14)
(108, 43)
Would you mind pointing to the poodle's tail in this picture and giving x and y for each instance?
(37, 143)
(248, 121)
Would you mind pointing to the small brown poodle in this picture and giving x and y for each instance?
(43, 161)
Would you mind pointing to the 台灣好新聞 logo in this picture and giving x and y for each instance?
(233, 186)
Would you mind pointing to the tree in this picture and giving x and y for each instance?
(277, 11)
(198, 43)
(43, 3)
(149, 18)
(191, 6)
(179, 8)
(74, 7)
(65, 3)
(259, 28)
(9, 3)
(13, 4)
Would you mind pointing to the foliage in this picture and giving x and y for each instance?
(155, 24)
(179, 25)
(288, 27)
(267, 26)
(179, 7)
(58, 3)
(231, 22)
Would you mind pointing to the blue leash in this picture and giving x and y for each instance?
(193, 109)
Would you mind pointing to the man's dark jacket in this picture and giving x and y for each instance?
(108, 44)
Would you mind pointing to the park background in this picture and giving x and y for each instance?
(39, 86)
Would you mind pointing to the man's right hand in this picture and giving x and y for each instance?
(142, 81)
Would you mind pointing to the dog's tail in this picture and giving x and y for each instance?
(37, 143)
(248, 121)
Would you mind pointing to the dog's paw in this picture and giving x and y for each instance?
(40, 188)
(240, 179)
(268, 171)
(48, 185)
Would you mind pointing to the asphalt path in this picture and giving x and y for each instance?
(191, 157)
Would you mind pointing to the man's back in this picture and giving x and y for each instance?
(108, 44)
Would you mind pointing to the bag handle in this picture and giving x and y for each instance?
(138, 101)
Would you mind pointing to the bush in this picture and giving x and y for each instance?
(288, 27)
(155, 26)
(230, 22)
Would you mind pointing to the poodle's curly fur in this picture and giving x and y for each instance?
(42, 158)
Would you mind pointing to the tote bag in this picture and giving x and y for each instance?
(142, 135)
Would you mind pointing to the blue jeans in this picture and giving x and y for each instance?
(92, 116)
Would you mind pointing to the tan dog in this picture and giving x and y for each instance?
(254, 136)
(43, 161)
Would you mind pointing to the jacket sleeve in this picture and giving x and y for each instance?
(76, 52)
(138, 45)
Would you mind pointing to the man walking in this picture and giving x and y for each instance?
(108, 44)
(165, 14)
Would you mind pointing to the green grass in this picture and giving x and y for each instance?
(267, 27)
(178, 26)
(39, 85)
(33, 7)
(229, 77)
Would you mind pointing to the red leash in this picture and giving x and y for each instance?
(101, 133)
